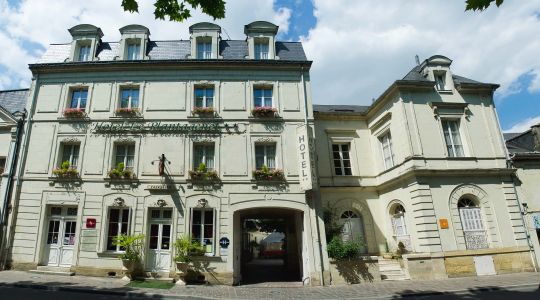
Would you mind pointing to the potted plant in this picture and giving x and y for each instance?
(264, 112)
(121, 172)
(66, 171)
(266, 174)
(340, 250)
(202, 173)
(186, 248)
(130, 112)
(204, 111)
(132, 246)
(74, 112)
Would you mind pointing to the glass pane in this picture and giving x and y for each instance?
(208, 217)
(338, 171)
(196, 232)
(56, 210)
(52, 236)
(209, 157)
(166, 237)
(125, 215)
(167, 214)
(348, 171)
(114, 215)
(196, 217)
(124, 98)
(155, 213)
(72, 211)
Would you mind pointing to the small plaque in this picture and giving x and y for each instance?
(224, 242)
(90, 223)
(443, 223)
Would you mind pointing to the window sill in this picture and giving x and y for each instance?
(113, 254)
(126, 116)
(462, 158)
(445, 91)
(84, 118)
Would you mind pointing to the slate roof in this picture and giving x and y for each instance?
(520, 142)
(180, 49)
(340, 108)
(415, 75)
(13, 100)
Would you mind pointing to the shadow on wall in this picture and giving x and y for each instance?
(355, 270)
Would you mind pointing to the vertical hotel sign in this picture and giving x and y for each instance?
(305, 163)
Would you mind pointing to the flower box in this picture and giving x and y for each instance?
(266, 174)
(264, 112)
(130, 112)
(66, 171)
(120, 172)
(198, 175)
(204, 111)
(74, 113)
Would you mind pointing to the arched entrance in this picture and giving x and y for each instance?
(270, 245)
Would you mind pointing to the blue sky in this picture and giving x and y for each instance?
(358, 47)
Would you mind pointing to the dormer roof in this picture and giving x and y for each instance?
(204, 26)
(85, 30)
(134, 28)
(261, 27)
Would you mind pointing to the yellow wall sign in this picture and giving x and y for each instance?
(443, 223)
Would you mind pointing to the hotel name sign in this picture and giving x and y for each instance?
(159, 127)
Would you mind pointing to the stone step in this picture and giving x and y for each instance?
(59, 273)
(394, 277)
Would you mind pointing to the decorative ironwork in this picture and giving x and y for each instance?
(476, 240)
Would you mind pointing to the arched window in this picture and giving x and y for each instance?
(473, 226)
(398, 221)
(353, 229)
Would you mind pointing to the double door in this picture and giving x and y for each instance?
(61, 236)
(159, 240)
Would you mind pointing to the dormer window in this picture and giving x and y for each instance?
(440, 80)
(134, 51)
(261, 49)
(204, 49)
(84, 53)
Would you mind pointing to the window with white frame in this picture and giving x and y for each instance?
(342, 158)
(204, 96)
(452, 138)
(118, 224)
(387, 152)
(203, 153)
(263, 96)
(129, 97)
(125, 153)
(70, 153)
(472, 224)
(202, 228)
(204, 49)
(84, 52)
(398, 221)
(352, 229)
(440, 80)
(133, 50)
(78, 99)
(261, 49)
(265, 155)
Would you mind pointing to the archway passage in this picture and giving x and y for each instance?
(271, 245)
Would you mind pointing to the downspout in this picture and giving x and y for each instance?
(9, 186)
(315, 195)
(23, 155)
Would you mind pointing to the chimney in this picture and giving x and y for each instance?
(536, 136)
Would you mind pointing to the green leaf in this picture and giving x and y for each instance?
(479, 5)
(180, 10)
(130, 5)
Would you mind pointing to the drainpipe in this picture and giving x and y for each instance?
(314, 197)
(18, 174)
(9, 186)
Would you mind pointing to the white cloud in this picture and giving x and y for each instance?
(46, 22)
(524, 125)
(359, 48)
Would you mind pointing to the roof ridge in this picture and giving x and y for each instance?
(14, 90)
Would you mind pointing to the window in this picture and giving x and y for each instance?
(2, 164)
(204, 50)
(452, 138)
(78, 99)
(398, 221)
(203, 154)
(263, 97)
(473, 226)
(440, 80)
(202, 228)
(84, 53)
(342, 159)
(125, 154)
(70, 152)
(133, 51)
(353, 229)
(386, 146)
(129, 97)
(261, 50)
(265, 155)
(204, 97)
(118, 225)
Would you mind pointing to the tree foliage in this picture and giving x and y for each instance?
(481, 4)
(180, 10)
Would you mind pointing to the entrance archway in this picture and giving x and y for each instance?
(271, 245)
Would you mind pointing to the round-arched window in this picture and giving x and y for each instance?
(348, 214)
(472, 223)
(353, 229)
(466, 203)
(398, 221)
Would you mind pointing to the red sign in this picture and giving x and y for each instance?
(90, 223)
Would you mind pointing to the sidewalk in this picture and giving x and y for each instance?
(385, 289)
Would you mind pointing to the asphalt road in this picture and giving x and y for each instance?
(521, 293)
